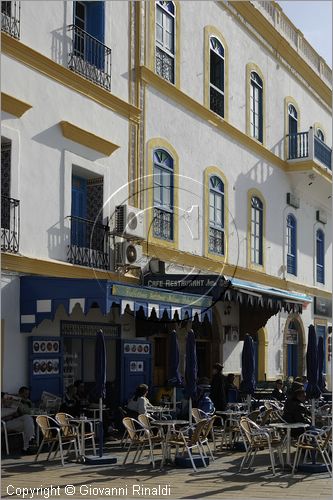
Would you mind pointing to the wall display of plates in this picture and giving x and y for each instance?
(136, 366)
(47, 346)
(45, 366)
(136, 348)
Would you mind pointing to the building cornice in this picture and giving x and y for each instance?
(42, 267)
(281, 45)
(206, 264)
(43, 64)
(92, 141)
(306, 165)
(14, 106)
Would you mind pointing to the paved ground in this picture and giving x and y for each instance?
(220, 480)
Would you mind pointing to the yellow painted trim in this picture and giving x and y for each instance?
(212, 118)
(303, 166)
(160, 143)
(209, 171)
(87, 139)
(290, 100)
(255, 68)
(152, 39)
(253, 275)
(262, 353)
(210, 31)
(37, 61)
(42, 267)
(318, 126)
(250, 264)
(14, 106)
(282, 47)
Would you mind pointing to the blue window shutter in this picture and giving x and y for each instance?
(95, 27)
(293, 246)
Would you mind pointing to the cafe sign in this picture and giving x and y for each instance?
(323, 307)
(292, 337)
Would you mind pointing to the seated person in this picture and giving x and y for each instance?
(204, 402)
(231, 389)
(81, 394)
(139, 403)
(17, 423)
(277, 392)
(71, 402)
(25, 406)
(295, 410)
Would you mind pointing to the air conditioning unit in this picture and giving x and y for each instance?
(127, 254)
(129, 222)
(321, 217)
(292, 200)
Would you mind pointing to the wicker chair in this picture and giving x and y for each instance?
(258, 438)
(140, 437)
(315, 442)
(191, 439)
(69, 427)
(53, 435)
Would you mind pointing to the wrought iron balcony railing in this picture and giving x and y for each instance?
(10, 18)
(89, 244)
(307, 145)
(89, 57)
(216, 241)
(10, 224)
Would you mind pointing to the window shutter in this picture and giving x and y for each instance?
(95, 28)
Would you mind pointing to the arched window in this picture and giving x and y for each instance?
(320, 246)
(320, 134)
(216, 84)
(256, 231)
(292, 130)
(165, 40)
(163, 220)
(256, 107)
(291, 245)
(216, 215)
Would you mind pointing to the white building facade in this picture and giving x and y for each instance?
(214, 120)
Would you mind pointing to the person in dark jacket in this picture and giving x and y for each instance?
(218, 388)
(295, 410)
(278, 393)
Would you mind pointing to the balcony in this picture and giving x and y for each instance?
(10, 224)
(306, 146)
(10, 18)
(89, 244)
(89, 57)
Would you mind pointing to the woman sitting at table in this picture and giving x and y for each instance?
(277, 392)
(139, 404)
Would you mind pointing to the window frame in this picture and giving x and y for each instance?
(256, 88)
(169, 170)
(254, 237)
(165, 12)
(291, 244)
(211, 85)
(218, 194)
(320, 263)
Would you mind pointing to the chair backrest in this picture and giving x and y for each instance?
(248, 429)
(265, 417)
(44, 423)
(145, 420)
(209, 426)
(198, 414)
(63, 420)
(129, 424)
(199, 430)
(254, 415)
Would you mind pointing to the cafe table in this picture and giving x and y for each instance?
(159, 410)
(170, 424)
(82, 433)
(288, 427)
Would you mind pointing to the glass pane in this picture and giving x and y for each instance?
(159, 34)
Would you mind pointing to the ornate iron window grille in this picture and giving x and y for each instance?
(10, 224)
(10, 18)
(216, 241)
(163, 224)
(164, 65)
(90, 243)
(216, 101)
(89, 57)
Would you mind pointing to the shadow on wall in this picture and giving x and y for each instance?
(61, 41)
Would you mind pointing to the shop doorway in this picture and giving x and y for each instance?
(293, 348)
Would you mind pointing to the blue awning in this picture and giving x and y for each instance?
(41, 296)
(256, 293)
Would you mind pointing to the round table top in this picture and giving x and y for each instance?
(286, 425)
(170, 422)
(231, 413)
(158, 409)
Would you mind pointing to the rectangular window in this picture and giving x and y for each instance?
(256, 236)
(165, 48)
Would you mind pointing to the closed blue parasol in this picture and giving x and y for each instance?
(174, 375)
(321, 378)
(191, 370)
(312, 391)
(100, 375)
(248, 368)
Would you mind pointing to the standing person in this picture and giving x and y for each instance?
(218, 389)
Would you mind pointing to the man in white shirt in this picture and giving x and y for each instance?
(23, 423)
